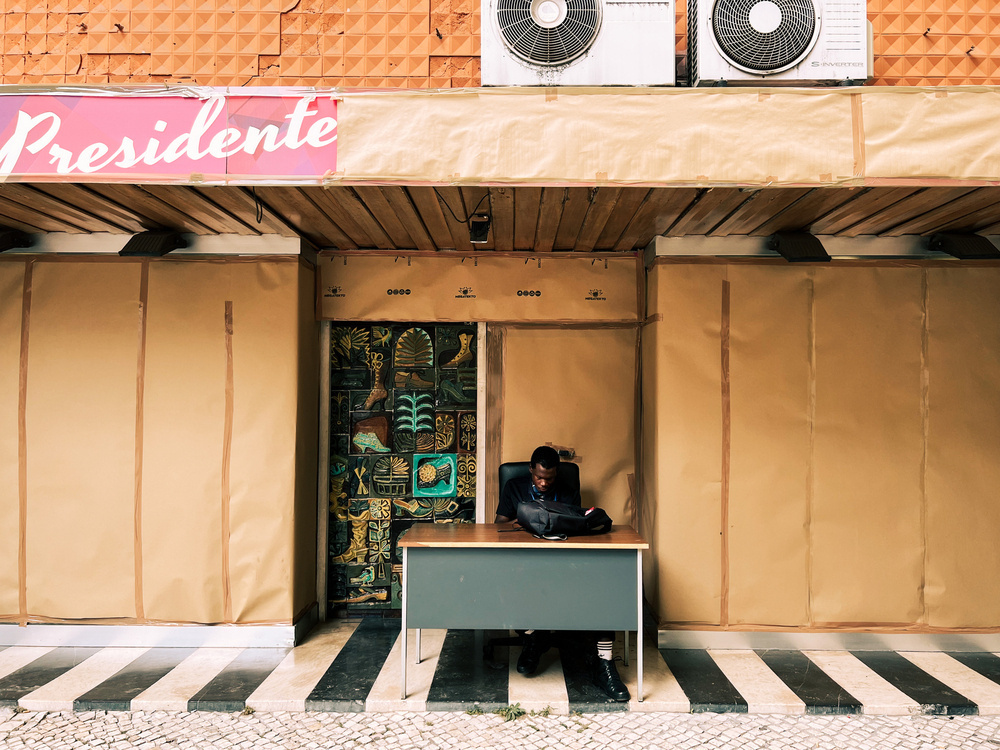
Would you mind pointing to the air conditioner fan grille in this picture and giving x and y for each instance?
(764, 51)
(558, 45)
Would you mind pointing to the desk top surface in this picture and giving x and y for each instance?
(500, 535)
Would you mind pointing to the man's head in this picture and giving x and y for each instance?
(544, 467)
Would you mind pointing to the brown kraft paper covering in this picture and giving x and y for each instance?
(489, 287)
(867, 540)
(263, 470)
(81, 433)
(683, 354)
(306, 448)
(770, 341)
(574, 388)
(11, 289)
(185, 493)
(963, 474)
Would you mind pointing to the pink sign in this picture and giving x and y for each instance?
(171, 138)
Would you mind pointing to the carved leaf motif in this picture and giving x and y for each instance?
(414, 349)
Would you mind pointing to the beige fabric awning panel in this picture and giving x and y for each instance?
(736, 136)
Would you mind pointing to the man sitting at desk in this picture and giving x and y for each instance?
(543, 483)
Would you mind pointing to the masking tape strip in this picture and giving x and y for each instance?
(140, 388)
(925, 436)
(227, 447)
(858, 132)
(22, 449)
(811, 421)
(726, 451)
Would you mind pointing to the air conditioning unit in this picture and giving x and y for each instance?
(778, 42)
(578, 43)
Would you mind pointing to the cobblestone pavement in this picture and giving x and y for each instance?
(100, 730)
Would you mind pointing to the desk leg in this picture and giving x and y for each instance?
(418, 646)
(638, 635)
(402, 671)
(625, 655)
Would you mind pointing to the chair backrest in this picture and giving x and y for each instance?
(567, 472)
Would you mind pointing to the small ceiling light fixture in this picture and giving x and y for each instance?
(155, 243)
(798, 247)
(964, 246)
(14, 238)
(479, 228)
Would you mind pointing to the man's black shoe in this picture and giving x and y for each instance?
(531, 652)
(607, 679)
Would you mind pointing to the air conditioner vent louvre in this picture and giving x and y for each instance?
(526, 37)
(767, 49)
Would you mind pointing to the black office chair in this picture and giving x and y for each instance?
(568, 473)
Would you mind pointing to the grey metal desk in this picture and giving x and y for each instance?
(476, 577)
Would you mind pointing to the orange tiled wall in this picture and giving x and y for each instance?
(390, 43)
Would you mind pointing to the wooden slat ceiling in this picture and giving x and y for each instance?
(606, 219)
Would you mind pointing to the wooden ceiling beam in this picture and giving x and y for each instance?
(382, 213)
(574, 212)
(400, 203)
(359, 214)
(37, 200)
(432, 215)
(657, 214)
(454, 211)
(602, 204)
(148, 205)
(502, 203)
(627, 204)
(904, 210)
(859, 208)
(527, 201)
(241, 203)
(200, 208)
(801, 214)
(550, 210)
(308, 219)
(950, 212)
(752, 214)
(104, 208)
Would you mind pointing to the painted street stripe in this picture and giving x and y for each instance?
(346, 683)
(988, 665)
(877, 696)
(661, 691)
(60, 693)
(384, 695)
(705, 685)
(933, 695)
(229, 690)
(463, 678)
(173, 692)
(980, 690)
(763, 691)
(41, 671)
(16, 657)
(288, 686)
(544, 690)
(812, 685)
(116, 692)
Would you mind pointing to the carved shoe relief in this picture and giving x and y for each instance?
(378, 393)
(464, 353)
(370, 441)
